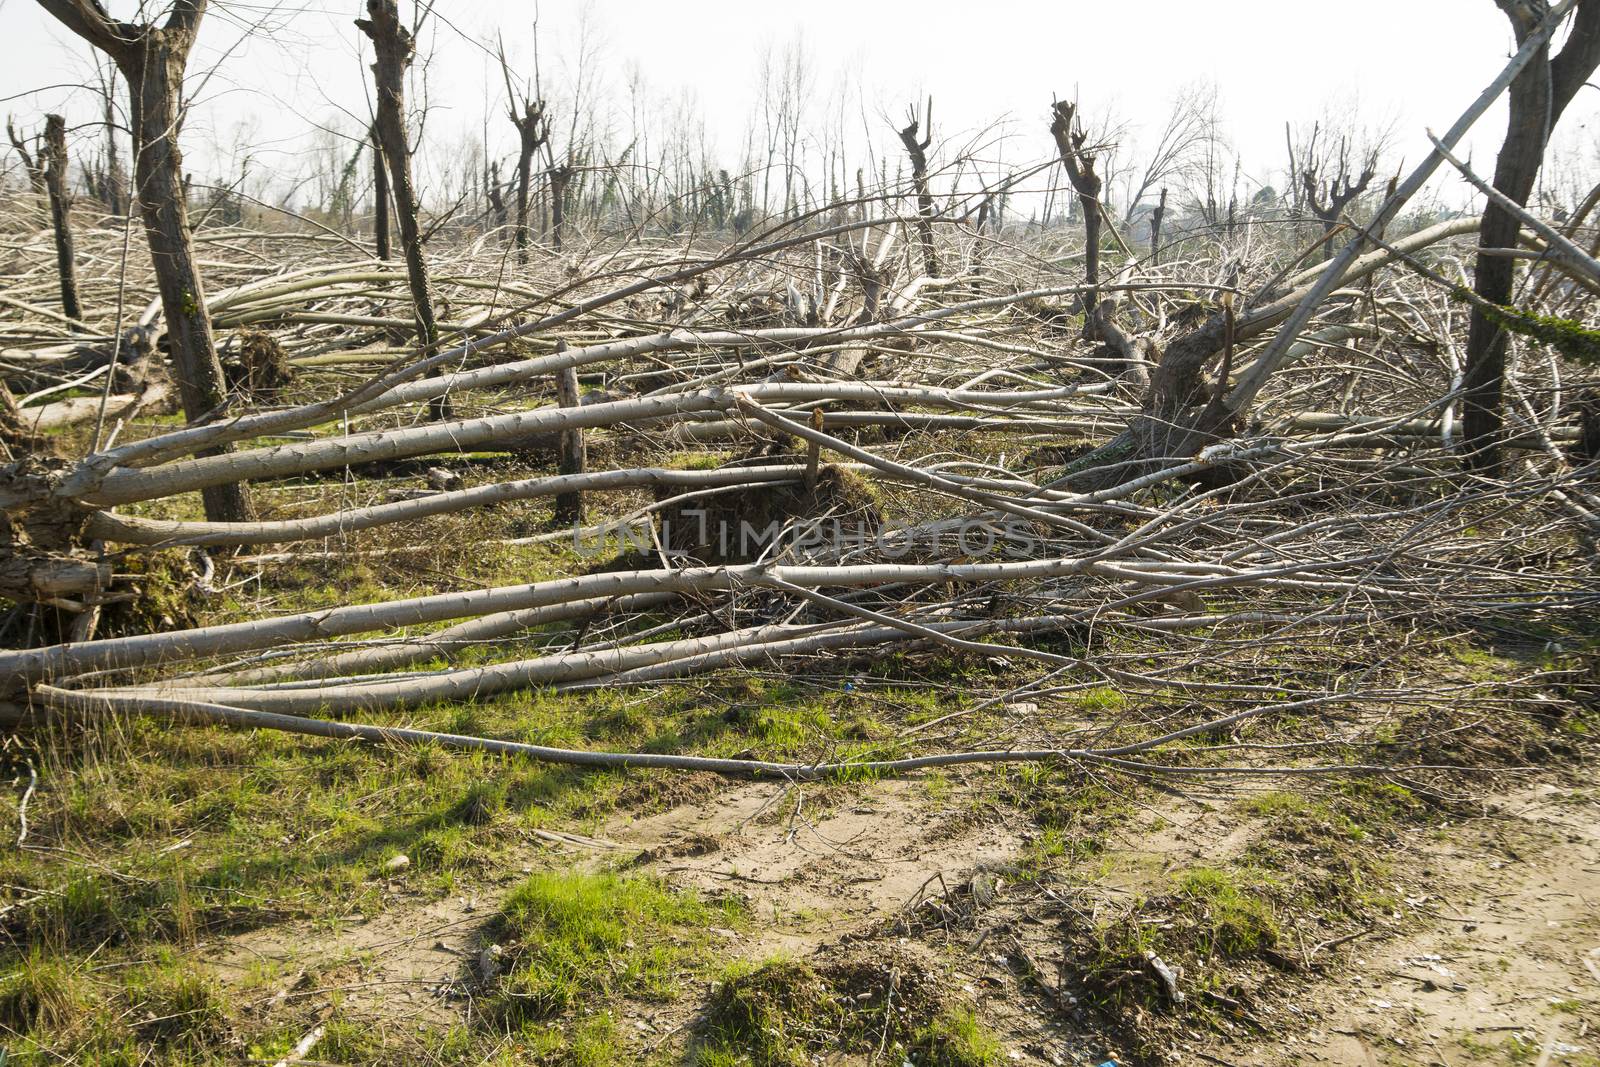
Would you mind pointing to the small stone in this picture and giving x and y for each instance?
(398, 863)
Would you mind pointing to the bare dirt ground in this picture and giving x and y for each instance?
(1502, 962)
(1490, 954)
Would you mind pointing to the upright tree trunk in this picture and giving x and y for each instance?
(918, 151)
(532, 133)
(151, 59)
(54, 157)
(559, 177)
(393, 46)
(380, 197)
(1538, 96)
(116, 190)
(154, 67)
(1079, 162)
(1156, 217)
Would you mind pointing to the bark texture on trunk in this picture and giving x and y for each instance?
(918, 151)
(1078, 159)
(55, 179)
(1157, 215)
(393, 47)
(380, 198)
(1538, 96)
(559, 177)
(532, 133)
(152, 60)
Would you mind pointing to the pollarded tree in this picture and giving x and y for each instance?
(152, 59)
(1328, 178)
(533, 130)
(918, 153)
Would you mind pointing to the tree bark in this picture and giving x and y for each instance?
(918, 151)
(393, 47)
(1157, 215)
(532, 132)
(152, 59)
(1538, 96)
(54, 158)
(559, 177)
(574, 456)
(380, 197)
(1079, 161)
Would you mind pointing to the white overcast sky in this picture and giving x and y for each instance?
(1415, 62)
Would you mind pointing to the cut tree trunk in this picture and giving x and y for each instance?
(55, 178)
(559, 177)
(574, 456)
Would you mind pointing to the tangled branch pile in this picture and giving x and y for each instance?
(799, 446)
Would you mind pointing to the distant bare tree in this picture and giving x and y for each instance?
(1191, 124)
(1328, 180)
(1158, 215)
(494, 192)
(380, 196)
(527, 114)
(917, 151)
(560, 176)
(32, 165)
(110, 182)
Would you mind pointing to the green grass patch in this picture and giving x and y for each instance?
(789, 1013)
(574, 936)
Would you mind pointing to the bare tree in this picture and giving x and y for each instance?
(1191, 124)
(1328, 181)
(918, 153)
(533, 131)
(1538, 97)
(493, 190)
(393, 46)
(32, 165)
(111, 185)
(152, 59)
(1158, 215)
(1079, 157)
(54, 158)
